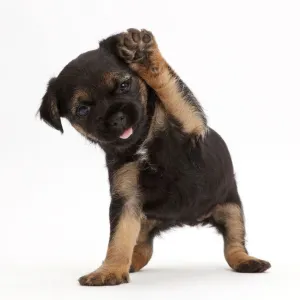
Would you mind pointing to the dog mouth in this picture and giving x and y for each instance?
(127, 133)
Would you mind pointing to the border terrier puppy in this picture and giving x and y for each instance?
(166, 167)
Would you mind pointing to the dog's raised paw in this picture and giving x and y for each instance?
(135, 45)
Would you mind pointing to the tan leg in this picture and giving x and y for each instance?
(140, 51)
(125, 224)
(115, 268)
(143, 250)
(229, 220)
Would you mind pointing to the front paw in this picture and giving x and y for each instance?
(135, 45)
(104, 277)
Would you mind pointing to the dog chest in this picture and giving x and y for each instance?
(171, 182)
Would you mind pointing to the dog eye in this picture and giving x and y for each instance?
(82, 110)
(124, 86)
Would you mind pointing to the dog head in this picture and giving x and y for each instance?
(100, 96)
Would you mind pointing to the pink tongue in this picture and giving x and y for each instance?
(126, 134)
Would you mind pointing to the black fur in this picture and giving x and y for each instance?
(184, 176)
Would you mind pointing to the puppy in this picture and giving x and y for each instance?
(166, 167)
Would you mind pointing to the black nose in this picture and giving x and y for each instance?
(118, 120)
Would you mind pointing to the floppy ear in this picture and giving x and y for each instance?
(49, 110)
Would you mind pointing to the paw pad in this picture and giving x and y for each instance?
(135, 45)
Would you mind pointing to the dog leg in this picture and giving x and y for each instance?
(229, 221)
(143, 250)
(140, 51)
(125, 224)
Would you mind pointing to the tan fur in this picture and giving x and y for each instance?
(108, 79)
(121, 246)
(111, 78)
(116, 265)
(143, 250)
(146, 227)
(231, 217)
(120, 249)
(157, 75)
(78, 96)
(143, 94)
(125, 181)
(142, 254)
(158, 120)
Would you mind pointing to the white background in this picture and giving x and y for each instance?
(241, 59)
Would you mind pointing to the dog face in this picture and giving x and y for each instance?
(100, 96)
